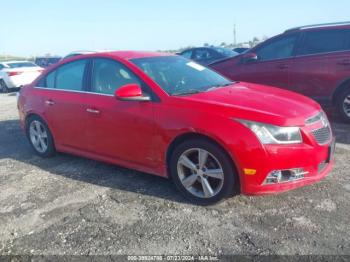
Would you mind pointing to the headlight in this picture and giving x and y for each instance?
(270, 134)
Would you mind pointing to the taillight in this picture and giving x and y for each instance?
(13, 73)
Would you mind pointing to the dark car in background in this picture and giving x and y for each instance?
(240, 50)
(312, 60)
(207, 55)
(47, 61)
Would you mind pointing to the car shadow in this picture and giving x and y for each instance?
(340, 129)
(12, 92)
(14, 145)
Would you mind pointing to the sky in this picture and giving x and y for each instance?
(38, 27)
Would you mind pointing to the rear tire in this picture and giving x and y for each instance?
(343, 105)
(206, 181)
(40, 137)
(3, 87)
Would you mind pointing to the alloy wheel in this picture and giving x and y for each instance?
(38, 136)
(200, 173)
(346, 105)
(3, 87)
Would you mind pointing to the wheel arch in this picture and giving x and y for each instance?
(342, 86)
(194, 135)
(31, 114)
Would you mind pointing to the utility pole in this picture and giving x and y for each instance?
(234, 35)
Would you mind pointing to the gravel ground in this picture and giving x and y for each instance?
(71, 205)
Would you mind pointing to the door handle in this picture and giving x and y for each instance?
(344, 62)
(92, 111)
(49, 102)
(282, 67)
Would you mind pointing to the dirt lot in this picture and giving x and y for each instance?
(70, 205)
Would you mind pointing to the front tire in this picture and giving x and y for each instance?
(343, 105)
(203, 172)
(3, 87)
(40, 137)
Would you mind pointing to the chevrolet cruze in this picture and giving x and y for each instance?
(166, 115)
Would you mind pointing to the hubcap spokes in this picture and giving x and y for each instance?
(346, 105)
(200, 173)
(38, 136)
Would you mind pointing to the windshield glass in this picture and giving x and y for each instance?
(226, 52)
(180, 76)
(21, 64)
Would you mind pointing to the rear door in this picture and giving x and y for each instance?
(62, 93)
(321, 61)
(273, 62)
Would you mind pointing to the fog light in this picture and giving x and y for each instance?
(282, 176)
(274, 177)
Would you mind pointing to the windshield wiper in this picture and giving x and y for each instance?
(196, 91)
(188, 92)
(219, 86)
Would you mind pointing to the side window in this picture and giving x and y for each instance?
(109, 75)
(48, 81)
(187, 54)
(215, 54)
(70, 76)
(277, 49)
(201, 54)
(1, 67)
(323, 41)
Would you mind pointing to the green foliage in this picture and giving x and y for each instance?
(4, 58)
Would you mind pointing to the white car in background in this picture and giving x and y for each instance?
(15, 74)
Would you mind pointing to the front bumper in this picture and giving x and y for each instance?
(317, 161)
(311, 178)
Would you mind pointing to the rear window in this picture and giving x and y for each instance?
(324, 41)
(225, 51)
(71, 76)
(67, 77)
(187, 54)
(21, 64)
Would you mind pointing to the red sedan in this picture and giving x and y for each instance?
(168, 116)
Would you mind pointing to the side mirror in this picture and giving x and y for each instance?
(131, 92)
(249, 58)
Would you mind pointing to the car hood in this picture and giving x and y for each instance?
(258, 103)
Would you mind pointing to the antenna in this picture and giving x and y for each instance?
(234, 35)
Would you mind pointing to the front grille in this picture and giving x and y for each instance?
(322, 135)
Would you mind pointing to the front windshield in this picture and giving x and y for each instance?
(179, 76)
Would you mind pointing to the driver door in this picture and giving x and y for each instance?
(122, 130)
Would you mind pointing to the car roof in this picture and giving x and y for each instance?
(87, 51)
(127, 55)
(205, 47)
(319, 26)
